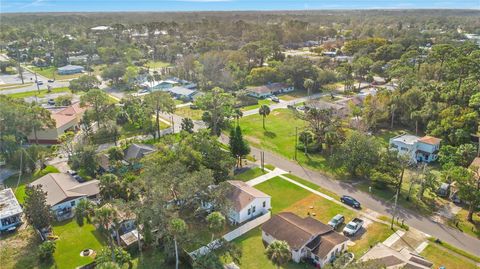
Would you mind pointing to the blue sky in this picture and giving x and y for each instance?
(198, 5)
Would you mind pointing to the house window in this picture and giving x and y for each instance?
(72, 203)
(264, 203)
(254, 209)
(249, 211)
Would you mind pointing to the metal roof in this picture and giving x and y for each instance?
(9, 205)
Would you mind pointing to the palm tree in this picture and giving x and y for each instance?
(84, 209)
(308, 84)
(264, 111)
(278, 252)
(237, 113)
(104, 217)
(216, 222)
(177, 227)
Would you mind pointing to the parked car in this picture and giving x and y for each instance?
(72, 172)
(275, 99)
(39, 82)
(353, 227)
(455, 198)
(51, 81)
(79, 178)
(336, 221)
(51, 102)
(348, 200)
(444, 190)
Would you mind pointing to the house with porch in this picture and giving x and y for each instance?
(64, 192)
(10, 211)
(247, 202)
(420, 149)
(307, 237)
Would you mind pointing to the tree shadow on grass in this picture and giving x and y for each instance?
(269, 134)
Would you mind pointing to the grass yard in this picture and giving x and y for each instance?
(465, 226)
(19, 250)
(72, 240)
(375, 233)
(313, 186)
(14, 86)
(187, 112)
(284, 194)
(157, 64)
(443, 257)
(253, 252)
(42, 93)
(260, 103)
(249, 174)
(51, 73)
(292, 95)
(279, 136)
(129, 130)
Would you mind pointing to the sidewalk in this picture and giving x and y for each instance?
(263, 178)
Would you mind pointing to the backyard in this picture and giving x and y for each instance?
(157, 64)
(260, 103)
(72, 240)
(250, 173)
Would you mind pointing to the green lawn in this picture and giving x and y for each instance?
(292, 95)
(14, 86)
(19, 250)
(157, 64)
(72, 240)
(260, 103)
(284, 194)
(130, 130)
(42, 93)
(250, 174)
(51, 73)
(279, 136)
(187, 112)
(313, 186)
(443, 257)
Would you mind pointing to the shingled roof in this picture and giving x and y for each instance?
(297, 231)
(62, 187)
(243, 194)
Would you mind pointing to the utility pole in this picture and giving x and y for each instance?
(394, 208)
(173, 124)
(38, 87)
(296, 139)
(19, 67)
(262, 160)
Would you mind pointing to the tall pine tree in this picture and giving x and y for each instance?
(238, 146)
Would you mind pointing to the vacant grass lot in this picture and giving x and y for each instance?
(284, 194)
(471, 228)
(51, 73)
(157, 64)
(443, 257)
(279, 136)
(250, 174)
(187, 112)
(72, 240)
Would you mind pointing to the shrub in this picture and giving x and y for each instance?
(46, 250)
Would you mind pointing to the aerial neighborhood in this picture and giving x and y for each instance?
(341, 139)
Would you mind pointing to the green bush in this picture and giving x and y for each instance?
(46, 250)
(47, 170)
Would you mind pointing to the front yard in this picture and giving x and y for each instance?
(250, 173)
(443, 257)
(41, 93)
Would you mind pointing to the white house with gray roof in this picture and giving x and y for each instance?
(10, 211)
